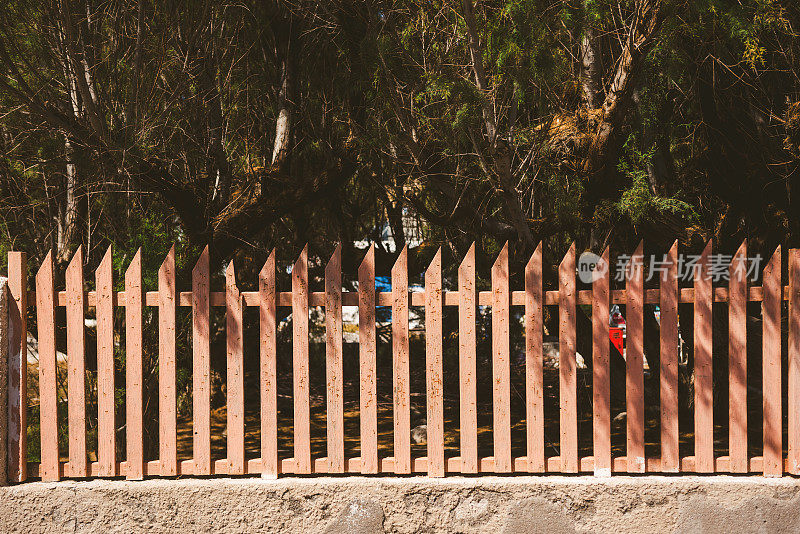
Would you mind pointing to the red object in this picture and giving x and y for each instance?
(615, 334)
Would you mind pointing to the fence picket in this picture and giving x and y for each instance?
(302, 411)
(134, 373)
(367, 349)
(467, 363)
(794, 362)
(668, 375)
(235, 374)
(771, 373)
(737, 362)
(568, 393)
(106, 426)
(401, 375)
(334, 367)
(501, 364)
(534, 372)
(201, 364)
(601, 370)
(703, 376)
(167, 402)
(268, 345)
(634, 359)
(48, 392)
(17, 366)
(433, 357)
(76, 366)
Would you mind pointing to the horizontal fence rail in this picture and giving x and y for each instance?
(504, 304)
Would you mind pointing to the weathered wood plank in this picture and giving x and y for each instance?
(534, 371)
(601, 370)
(367, 350)
(17, 366)
(134, 372)
(794, 363)
(106, 420)
(434, 379)
(167, 402)
(235, 375)
(201, 364)
(703, 375)
(668, 379)
(401, 376)
(737, 362)
(76, 365)
(449, 298)
(268, 376)
(634, 357)
(48, 388)
(771, 370)
(568, 396)
(467, 363)
(501, 362)
(334, 366)
(302, 409)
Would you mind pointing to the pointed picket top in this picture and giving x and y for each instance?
(775, 259)
(434, 269)
(708, 248)
(104, 273)
(167, 269)
(303, 255)
(605, 258)
(466, 271)
(134, 270)
(569, 256)
(402, 260)
(500, 265)
(535, 258)
(704, 262)
(269, 265)
(301, 262)
(201, 267)
(230, 276)
(638, 253)
(671, 253)
(76, 263)
(469, 258)
(368, 263)
(503, 254)
(105, 263)
(300, 271)
(46, 268)
(738, 266)
(170, 255)
(334, 265)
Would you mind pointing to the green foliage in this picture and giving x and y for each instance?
(638, 202)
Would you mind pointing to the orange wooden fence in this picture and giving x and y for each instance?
(131, 462)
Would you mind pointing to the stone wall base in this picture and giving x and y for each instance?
(354, 505)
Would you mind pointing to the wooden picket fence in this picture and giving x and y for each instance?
(267, 299)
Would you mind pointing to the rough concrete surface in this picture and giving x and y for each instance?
(355, 505)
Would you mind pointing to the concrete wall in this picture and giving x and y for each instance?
(353, 505)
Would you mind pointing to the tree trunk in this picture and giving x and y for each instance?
(591, 69)
(283, 125)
